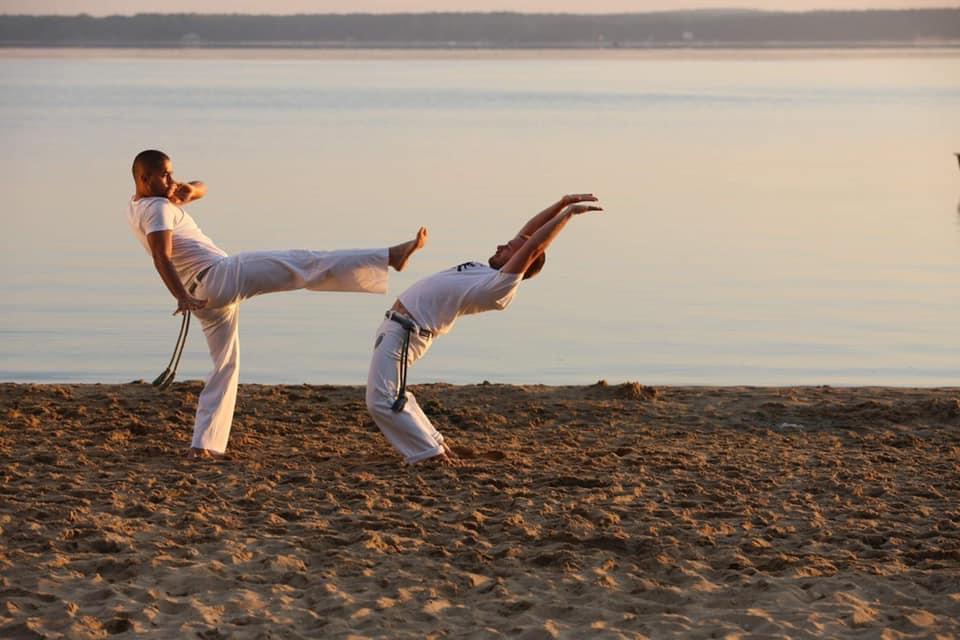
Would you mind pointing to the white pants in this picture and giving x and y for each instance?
(409, 430)
(236, 278)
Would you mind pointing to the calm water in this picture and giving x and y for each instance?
(771, 218)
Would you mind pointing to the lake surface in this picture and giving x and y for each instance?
(771, 217)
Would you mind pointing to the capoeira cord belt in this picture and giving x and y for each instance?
(410, 327)
(164, 379)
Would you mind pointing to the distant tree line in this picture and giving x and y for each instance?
(692, 28)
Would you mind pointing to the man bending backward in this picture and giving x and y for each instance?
(430, 307)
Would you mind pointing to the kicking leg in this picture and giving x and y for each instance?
(244, 275)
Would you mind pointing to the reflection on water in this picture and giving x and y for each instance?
(771, 217)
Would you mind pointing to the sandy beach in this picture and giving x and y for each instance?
(609, 511)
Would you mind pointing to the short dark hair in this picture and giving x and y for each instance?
(535, 266)
(151, 159)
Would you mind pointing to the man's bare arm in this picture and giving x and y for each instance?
(548, 214)
(520, 261)
(161, 247)
(186, 192)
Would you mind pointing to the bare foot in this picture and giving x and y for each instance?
(400, 253)
(203, 454)
(442, 460)
(449, 452)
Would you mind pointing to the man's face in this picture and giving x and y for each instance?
(159, 181)
(504, 253)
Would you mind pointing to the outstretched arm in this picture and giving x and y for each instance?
(548, 214)
(161, 246)
(185, 192)
(520, 261)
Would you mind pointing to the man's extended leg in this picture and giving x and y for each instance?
(245, 275)
(211, 428)
(409, 430)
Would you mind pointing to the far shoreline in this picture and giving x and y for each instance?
(335, 51)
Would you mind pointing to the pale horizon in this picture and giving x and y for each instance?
(287, 7)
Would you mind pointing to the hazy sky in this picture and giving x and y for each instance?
(105, 7)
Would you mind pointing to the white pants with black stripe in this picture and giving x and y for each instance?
(409, 430)
(236, 278)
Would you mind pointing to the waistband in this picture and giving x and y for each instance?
(197, 279)
(407, 324)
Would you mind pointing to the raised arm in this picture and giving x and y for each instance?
(186, 192)
(161, 247)
(520, 261)
(547, 214)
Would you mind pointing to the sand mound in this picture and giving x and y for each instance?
(624, 391)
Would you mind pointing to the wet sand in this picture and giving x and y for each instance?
(610, 511)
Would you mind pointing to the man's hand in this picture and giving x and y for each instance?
(574, 198)
(577, 209)
(189, 303)
(180, 193)
(184, 192)
(553, 210)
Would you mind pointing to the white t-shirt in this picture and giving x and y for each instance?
(435, 302)
(192, 251)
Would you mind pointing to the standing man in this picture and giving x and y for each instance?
(430, 307)
(210, 284)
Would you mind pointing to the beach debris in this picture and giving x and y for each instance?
(789, 426)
